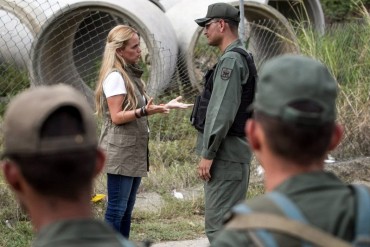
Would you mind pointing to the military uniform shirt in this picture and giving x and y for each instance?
(230, 74)
(325, 201)
(79, 233)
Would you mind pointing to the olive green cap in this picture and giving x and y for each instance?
(220, 10)
(289, 79)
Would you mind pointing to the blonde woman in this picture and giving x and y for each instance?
(124, 106)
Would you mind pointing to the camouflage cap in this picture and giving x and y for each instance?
(27, 113)
(289, 79)
(220, 10)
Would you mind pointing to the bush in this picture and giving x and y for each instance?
(12, 81)
(345, 50)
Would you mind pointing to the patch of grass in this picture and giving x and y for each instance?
(12, 81)
(172, 152)
(19, 235)
(167, 230)
(175, 220)
(18, 231)
(9, 207)
(255, 189)
(163, 179)
(173, 126)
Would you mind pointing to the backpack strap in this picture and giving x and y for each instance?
(289, 209)
(297, 226)
(287, 206)
(287, 226)
(363, 213)
(262, 235)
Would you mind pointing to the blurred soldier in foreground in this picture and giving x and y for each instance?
(50, 160)
(292, 130)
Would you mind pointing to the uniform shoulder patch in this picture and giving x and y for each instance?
(225, 73)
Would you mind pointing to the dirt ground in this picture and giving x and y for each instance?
(201, 242)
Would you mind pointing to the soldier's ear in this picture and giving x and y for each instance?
(100, 161)
(336, 136)
(221, 24)
(251, 129)
(12, 175)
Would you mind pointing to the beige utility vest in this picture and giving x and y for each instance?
(126, 145)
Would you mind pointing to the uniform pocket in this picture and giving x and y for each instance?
(121, 140)
(121, 149)
(226, 170)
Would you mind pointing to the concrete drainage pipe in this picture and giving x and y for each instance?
(19, 23)
(298, 10)
(309, 10)
(269, 34)
(68, 39)
(72, 40)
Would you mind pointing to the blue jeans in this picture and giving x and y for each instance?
(121, 199)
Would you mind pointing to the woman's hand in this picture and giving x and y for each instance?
(176, 104)
(153, 109)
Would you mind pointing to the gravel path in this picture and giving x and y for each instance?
(201, 242)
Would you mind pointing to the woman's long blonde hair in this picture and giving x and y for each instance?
(117, 38)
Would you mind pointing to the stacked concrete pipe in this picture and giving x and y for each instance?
(68, 38)
(281, 38)
(20, 23)
(309, 11)
(189, 33)
(57, 29)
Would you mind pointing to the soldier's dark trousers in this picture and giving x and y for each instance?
(228, 186)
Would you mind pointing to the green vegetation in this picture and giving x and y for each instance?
(339, 10)
(177, 219)
(19, 235)
(12, 81)
(345, 50)
(15, 228)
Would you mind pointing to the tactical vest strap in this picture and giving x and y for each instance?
(287, 206)
(295, 225)
(276, 223)
(250, 63)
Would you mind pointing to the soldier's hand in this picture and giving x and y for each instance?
(204, 168)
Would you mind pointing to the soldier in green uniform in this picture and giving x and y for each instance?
(292, 130)
(220, 114)
(51, 157)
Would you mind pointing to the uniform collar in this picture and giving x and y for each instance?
(308, 181)
(235, 43)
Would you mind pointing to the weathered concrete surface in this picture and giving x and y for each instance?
(201, 242)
